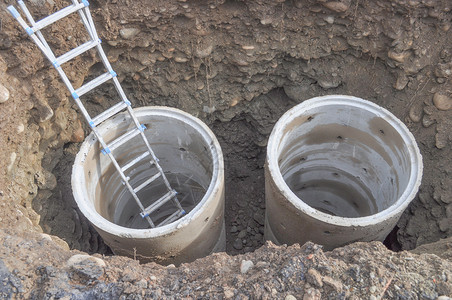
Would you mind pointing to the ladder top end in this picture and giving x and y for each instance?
(13, 11)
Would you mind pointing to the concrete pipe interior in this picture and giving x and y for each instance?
(192, 161)
(345, 161)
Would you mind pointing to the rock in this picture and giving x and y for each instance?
(228, 293)
(86, 266)
(234, 229)
(203, 52)
(290, 297)
(245, 266)
(442, 102)
(445, 224)
(12, 160)
(332, 283)
(415, 113)
(142, 284)
(313, 277)
(398, 56)
(153, 278)
(242, 234)
(4, 94)
(78, 135)
(258, 216)
(444, 298)
(238, 244)
(336, 6)
(401, 82)
(312, 294)
(129, 33)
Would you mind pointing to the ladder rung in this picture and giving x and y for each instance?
(147, 211)
(134, 161)
(57, 16)
(124, 138)
(109, 113)
(141, 186)
(172, 217)
(93, 84)
(77, 51)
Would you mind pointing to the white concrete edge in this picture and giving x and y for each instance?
(395, 209)
(105, 225)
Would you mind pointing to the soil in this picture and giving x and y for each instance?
(238, 66)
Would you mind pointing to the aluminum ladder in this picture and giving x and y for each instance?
(82, 7)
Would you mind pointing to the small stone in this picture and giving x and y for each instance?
(312, 294)
(153, 278)
(428, 121)
(290, 297)
(336, 6)
(373, 289)
(179, 59)
(20, 128)
(4, 94)
(245, 266)
(314, 278)
(86, 266)
(399, 57)
(228, 293)
(242, 234)
(258, 216)
(78, 135)
(442, 102)
(372, 297)
(329, 19)
(12, 160)
(332, 283)
(203, 52)
(142, 284)
(129, 33)
(238, 244)
(443, 297)
(445, 224)
(416, 113)
(401, 82)
(234, 229)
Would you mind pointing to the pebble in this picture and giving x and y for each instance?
(416, 113)
(86, 265)
(314, 278)
(442, 102)
(332, 283)
(242, 234)
(78, 135)
(12, 159)
(312, 294)
(336, 6)
(4, 93)
(228, 293)
(234, 229)
(204, 52)
(153, 278)
(401, 82)
(399, 57)
(20, 128)
(238, 244)
(444, 298)
(129, 33)
(373, 289)
(245, 266)
(290, 297)
(259, 218)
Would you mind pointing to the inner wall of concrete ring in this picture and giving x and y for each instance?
(339, 169)
(184, 145)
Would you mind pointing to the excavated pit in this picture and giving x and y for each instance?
(238, 66)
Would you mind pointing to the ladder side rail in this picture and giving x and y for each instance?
(85, 20)
(129, 187)
(32, 22)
